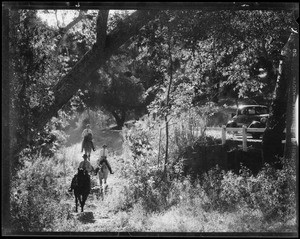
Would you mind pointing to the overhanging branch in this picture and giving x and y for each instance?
(101, 27)
(92, 60)
(65, 30)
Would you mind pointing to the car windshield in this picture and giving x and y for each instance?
(253, 111)
(261, 110)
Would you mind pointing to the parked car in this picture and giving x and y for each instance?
(252, 116)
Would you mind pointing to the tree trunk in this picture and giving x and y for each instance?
(168, 107)
(292, 95)
(120, 120)
(271, 145)
(6, 153)
(104, 48)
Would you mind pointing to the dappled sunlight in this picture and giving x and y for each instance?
(158, 88)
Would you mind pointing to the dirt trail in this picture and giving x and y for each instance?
(98, 214)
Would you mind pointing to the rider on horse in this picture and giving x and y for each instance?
(87, 167)
(103, 159)
(87, 135)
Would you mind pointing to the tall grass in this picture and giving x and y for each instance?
(231, 203)
(145, 199)
(240, 202)
(37, 196)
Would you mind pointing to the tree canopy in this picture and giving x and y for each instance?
(123, 63)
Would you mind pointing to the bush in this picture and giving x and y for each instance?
(275, 194)
(147, 182)
(46, 143)
(270, 195)
(211, 183)
(272, 191)
(35, 199)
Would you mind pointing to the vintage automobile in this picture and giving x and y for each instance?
(252, 116)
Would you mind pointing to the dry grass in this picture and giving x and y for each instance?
(113, 214)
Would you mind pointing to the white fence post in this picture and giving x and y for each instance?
(223, 134)
(244, 131)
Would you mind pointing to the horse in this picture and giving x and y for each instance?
(81, 184)
(87, 145)
(103, 174)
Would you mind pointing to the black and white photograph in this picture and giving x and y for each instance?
(165, 119)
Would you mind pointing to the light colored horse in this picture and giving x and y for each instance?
(103, 174)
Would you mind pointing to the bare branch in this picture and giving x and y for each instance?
(64, 31)
(57, 21)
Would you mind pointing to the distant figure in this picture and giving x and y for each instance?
(87, 131)
(103, 159)
(87, 143)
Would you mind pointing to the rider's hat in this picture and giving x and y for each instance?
(84, 156)
(88, 125)
(104, 146)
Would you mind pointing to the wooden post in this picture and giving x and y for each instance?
(64, 165)
(244, 131)
(223, 134)
(159, 146)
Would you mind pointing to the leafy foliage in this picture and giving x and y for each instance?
(35, 197)
(272, 191)
(220, 51)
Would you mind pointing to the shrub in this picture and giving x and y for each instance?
(35, 199)
(147, 182)
(211, 183)
(272, 191)
(275, 193)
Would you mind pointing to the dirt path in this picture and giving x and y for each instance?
(98, 213)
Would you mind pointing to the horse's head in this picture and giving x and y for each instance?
(81, 172)
(82, 176)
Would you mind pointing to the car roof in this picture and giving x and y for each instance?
(244, 106)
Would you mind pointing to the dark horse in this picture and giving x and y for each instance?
(81, 184)
(87, 145)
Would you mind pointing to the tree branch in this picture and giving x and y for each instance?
(64, 31)
(101, 27)
(92, 60)
(129, 27)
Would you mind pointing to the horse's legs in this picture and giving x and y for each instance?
(84, 197)
(82, 205)
(87, 151)
(100, 179)
(101, 186)
(76, 204)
